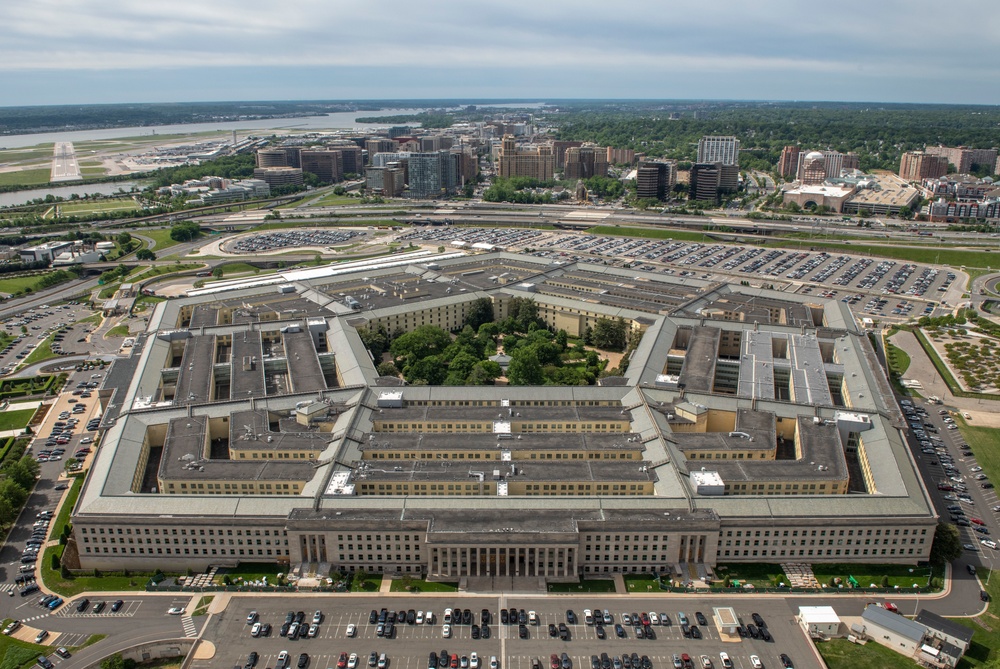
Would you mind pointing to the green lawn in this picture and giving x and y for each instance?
(238, 268)
(985, 443)
(332, 199)
(899, 360)
(101, 206)
(641, 583)
(15, 653)
(649, 233)
(117, 331)
(15, 420)
(145, 302)
(589, 585)
(417, 585)
(35, 177)
(842, 654)
(39, 153)
(19, 283)
(251, 571)
(371, 584)
(161, 237)
(866, 574)
(41, 353)
(761, 575)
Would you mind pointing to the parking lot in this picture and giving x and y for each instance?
(412, 644)
(288, 239)
(872, 287)
(40, 323)
(955, 479)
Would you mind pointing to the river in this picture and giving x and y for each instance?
(25, 196)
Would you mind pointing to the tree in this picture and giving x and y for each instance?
(387, 368)
(947, 546)
(426, 371)
(611, 335)
(425, 341)
(217, 272)
(12, 492)
(484, 373)
(23, 472)
(116, 661)
(185, 231)
(524, 368)
(375, 340)
(124, 240)
(480, 312)
(360, 576)
(145, 254)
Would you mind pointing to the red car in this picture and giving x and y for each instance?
(554, 661)
(454, 661)
(976, 521)
(945, 486)
(889, 606)
(342, 661)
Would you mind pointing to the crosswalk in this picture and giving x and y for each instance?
(190, 630)
(8, 587)
(38, 617)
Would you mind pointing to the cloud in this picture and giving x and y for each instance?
(777, 46)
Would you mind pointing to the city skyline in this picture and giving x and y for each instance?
(775, 50)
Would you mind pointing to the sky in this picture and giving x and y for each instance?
(113, 51)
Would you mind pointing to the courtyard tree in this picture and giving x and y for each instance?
(947, 546)
(524, 368)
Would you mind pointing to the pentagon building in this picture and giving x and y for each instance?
(249, 424)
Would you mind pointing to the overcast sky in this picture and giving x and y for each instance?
(93, 51)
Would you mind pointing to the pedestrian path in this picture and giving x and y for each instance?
(8, 587)
(190, 629)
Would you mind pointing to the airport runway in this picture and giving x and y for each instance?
(64, 165)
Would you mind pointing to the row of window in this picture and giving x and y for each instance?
(819, 553)
(822, 533)
(441, 455)
(201, 532)
(184, 551)
(280, 455)
(825, 542)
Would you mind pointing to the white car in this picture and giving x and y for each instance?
(474, 660)
(726, 662)
(494, 664)
(989, 543)
(255, 630)
(429, 618)
(447, 616)
(532, 617)
(706, 662)
(420, 617)
(352, 661)
(653, 618)
(756, 663)
(352, 629)
(176, 610)
(282, 660)
(446, 631)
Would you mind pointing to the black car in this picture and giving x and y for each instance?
(251, 660)
(700, 617)
(522, 631)
(563, 632)
(764, 634)
(986, 485)
(467, 617)
(626, 661)
(983, 595)
(82, 605)
(99, 606)
(475, 631)
(443, 659)
(29, 589)
(570, 617)
(432, 659)
(44, 662)
(373, 617)
(485, 631)
(599, 630)
(758, 621)
(566, 662)
(284, 629)
(619, 631)
(686, 630)
(695, 632)
(303, 658)
(522, 617)
(300, 616)
(290, 617)
(648, 631)
(786, 661)
(595, 662)
(552, 630)
(503, 616)
(485, 616)
(265, 629)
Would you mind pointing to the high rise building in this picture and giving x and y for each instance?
(326, 164)
(537, 163)
(851, 161)
(559, 148)
(352, 157)
(655, 180)
(963, 158)
(709, 181)
(432, 174)
(833, 162)
(378, 145)
(789, 162)
(279, 176)
(388, 181)
(917, 165)
(399, 131)
(620, 156)
(583, 162)
(719, 149)
(279, 156)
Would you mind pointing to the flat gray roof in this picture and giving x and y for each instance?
(194, 381)
(247, 365)
(304, 371)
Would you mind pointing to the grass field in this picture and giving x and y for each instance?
(15, 420)
(417, 585)
(761, 575)
(102, 206)
(19, 283)
(15, 653)
(589, 585)
(650, 233)
(641, 583)
(985, 443)
(117, 331)
(842, 654)
(26, 177)
(40, 152)
(161, 237)
(41, 353)
(332, 199)
(867, 574)
(239, 268)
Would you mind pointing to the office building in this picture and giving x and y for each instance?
(750, 426)
(433, 174)
(399, 131)
(536, 163)
(279, 156)
(789, 162)
(326, 164)
(655, 180)
(917, 166)
(717, 149)
(583, 162)
(351, 157)
(275, 177)
(850, 161)
(710, 181)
